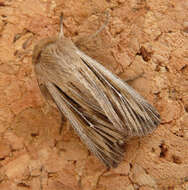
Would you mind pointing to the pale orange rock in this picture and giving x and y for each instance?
(184, 124)
(114, 182)
(15, 142)
(9, 68)
(5, 80)
(7, 186)
(122, 169)
(146, 188)
(129, 187)
(4, 149)
(91, 172)
(12, 92)
(6, 114)
(3, 126)
(139, 176)
(57, 185)
(17, 167)
(68, 178)
(170, 110)
(141, 36)
(36, 184)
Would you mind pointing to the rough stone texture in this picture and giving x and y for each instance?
(149, 36)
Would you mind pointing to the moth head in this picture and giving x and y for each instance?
(39, 47)
(45, 42)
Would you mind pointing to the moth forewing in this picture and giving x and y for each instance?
(133, 104)
(103, 110)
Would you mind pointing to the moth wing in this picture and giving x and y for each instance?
(105, 142)
(137, 115)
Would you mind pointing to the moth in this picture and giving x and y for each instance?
(103, 109)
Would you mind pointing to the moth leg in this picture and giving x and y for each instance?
(130, 79)
(63, 120)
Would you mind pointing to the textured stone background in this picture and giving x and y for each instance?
(149, 36)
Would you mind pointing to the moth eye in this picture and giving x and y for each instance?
(39, 55)
(36, 54)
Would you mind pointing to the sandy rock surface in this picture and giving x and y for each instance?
(142, 36)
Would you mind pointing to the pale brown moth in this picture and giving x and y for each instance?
(103, 109)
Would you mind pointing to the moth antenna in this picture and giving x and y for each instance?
(102, 27)
(98, 31)
(61, 33)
